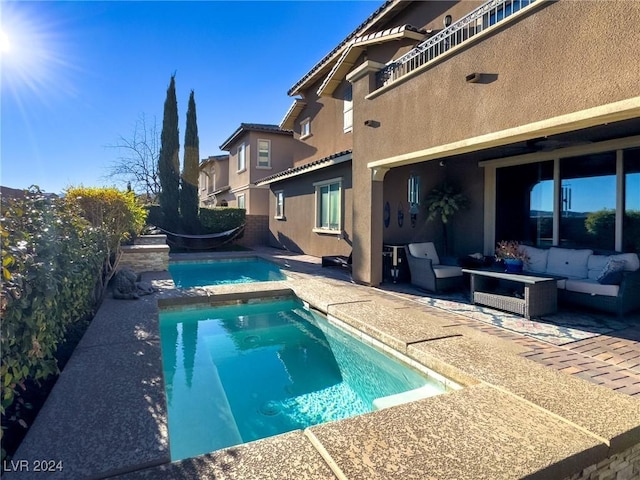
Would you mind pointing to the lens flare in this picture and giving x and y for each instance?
(34, 54)
(5, 45)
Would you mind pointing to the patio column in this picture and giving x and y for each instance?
(366, 183)
(367, 224)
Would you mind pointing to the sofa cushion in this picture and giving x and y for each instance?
(537, 258)
(591, 287)
(595, 264)
(631, 261)
(568, 262)
(425, 250)
(612, 272)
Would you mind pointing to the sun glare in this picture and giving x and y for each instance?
(5, 45)
(33, 53)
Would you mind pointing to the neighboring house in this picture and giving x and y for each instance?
(255, 151)
(531, 108)
(214, 181)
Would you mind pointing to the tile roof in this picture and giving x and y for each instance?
(294, 90)
(356, 46)
(213, 158)
(389, 32)
(314, 165)
(253, 127)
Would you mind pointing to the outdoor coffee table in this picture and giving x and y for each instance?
(540, 295)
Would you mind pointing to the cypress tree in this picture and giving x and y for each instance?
(190, 172)
(169, 161)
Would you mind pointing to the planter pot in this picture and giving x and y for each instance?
(513, 266)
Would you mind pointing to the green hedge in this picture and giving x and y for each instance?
(51, 260)
(214, 220)
(55, 256)
(154, 215)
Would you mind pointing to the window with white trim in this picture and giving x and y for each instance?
(242, 157)
(329, 206)
(348, 110)
(241, 202)
(305, 128)
(279, 204)
(264, 154)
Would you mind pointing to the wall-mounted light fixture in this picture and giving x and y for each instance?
(447, 20)
(372, 123)
(413, 197)
(443, 163)
(474, 77)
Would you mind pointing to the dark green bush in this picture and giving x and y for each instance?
(214, 220)
(57, 256)
(51, 261)
(154, 215)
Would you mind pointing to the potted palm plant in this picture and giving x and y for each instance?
(443, 202)
(512, 255)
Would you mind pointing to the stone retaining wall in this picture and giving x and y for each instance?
(150, 253)
(622, 466)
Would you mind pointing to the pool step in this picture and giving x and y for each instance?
(419, 393)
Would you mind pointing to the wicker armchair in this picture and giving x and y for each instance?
(426, 270)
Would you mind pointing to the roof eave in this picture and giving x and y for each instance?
(296, 107)
(303, 169)
(390, 6)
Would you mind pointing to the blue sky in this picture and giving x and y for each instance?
(76, 76)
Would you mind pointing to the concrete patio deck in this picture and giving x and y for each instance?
(528, 410)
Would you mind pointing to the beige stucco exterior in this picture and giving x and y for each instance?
(326, 118)
(562, 71)
(547, 75)
(535, 75)
(241, 181)
(295, 230)
(213, 177)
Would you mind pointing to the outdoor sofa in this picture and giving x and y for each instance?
(610, 283)
(427, 270)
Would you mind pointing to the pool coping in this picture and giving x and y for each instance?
(593, 422)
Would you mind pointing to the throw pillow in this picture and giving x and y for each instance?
(611, 273)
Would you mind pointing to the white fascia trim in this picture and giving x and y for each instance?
(591, 117)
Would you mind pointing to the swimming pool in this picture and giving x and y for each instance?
(239, 373)
(226, 271)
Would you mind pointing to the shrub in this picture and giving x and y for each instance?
(214, 220)
(116, 212)
(51, 261)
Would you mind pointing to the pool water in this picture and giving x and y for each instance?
(220, 272)
(239, 373)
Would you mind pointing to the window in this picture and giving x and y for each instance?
(588, 201)
(279, 204)
(242, 161)
(584, 201)
(305, 128)
(524, 203)
(264, 153)
(328, 206)
(348, 110)
(241, 203)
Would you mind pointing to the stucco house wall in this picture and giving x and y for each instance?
(327, 125)
(527, 81)
(295, 231)
(556, 60)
